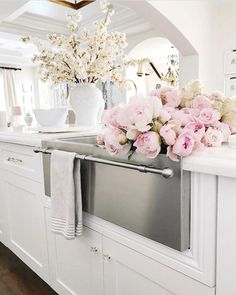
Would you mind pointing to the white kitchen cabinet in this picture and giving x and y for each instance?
(226, 237)
(76, 266)
(25, 224)
(1, 220)
(106, 259)
(2, 211)
(128, 272)
(2, 207)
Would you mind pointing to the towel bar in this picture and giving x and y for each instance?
(166, 172)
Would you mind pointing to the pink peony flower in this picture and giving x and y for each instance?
(172, 98)
(100, 138)
(199, 145)
(139, 113)
(160, 93)
(148, 144)
(156, 105)
(171, 155)
(213, 137)
(123, 118)
(132, 134)
(201, 102)
(197, 129)
(112, 144)
(185, 115)
(164, 116)
(168, 134)
(209, 116)
(225, 129)
(184, 145)
(110, 116)
(155, 93)
(169, 109)
(176, 125)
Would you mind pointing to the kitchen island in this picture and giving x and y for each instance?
(109, 259)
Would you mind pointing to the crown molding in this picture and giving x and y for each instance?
(41, 27)
(40, 23)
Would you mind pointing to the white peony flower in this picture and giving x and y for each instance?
(213, 137)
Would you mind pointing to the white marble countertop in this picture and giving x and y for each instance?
(34, 138)
(216, 161)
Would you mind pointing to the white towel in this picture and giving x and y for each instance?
(66, 216)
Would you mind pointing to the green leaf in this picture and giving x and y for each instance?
(130, 155)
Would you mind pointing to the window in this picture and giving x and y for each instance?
(52, 96)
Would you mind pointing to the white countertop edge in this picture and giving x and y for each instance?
(21, 141)
(35, 139)
(212, 166)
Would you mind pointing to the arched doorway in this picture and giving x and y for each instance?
(188, 55)
(159, 50)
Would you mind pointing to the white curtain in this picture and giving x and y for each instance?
(9, 89)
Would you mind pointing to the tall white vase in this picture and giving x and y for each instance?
(87, 102)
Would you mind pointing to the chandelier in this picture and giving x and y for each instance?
(74, 4)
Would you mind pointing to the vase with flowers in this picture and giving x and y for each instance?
(81, 60)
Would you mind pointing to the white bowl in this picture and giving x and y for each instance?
(51, 117)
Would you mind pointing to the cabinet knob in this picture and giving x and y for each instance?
(93, 249)
(106, 257)
(14, 160)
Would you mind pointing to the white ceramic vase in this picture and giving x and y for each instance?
(28, 119)
(88, 104)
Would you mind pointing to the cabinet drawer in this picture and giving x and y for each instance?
(21, 160)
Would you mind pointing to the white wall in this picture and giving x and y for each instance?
(160, 15)
(135, 39)
(225, 39)
(210, 26)
(194, 20)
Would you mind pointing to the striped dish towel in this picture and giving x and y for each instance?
(66, 214)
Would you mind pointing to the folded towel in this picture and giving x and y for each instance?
(66, 216)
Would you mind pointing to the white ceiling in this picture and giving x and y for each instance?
(41, 17)
(10, 6)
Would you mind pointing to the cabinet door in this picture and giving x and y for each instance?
(226, 236)
(26, 230)
(128, 272)
(2, 211)
(76, 266)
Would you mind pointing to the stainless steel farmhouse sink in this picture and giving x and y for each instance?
(150, 197)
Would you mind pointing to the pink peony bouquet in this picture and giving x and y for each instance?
(176, 122)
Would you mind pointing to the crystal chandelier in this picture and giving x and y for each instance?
(173, 65)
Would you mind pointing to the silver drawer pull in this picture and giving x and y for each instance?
(106, 257)
(93, 249)
(14, 160)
